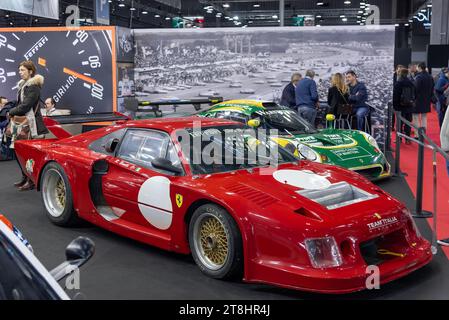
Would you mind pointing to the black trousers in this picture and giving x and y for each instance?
(406, 129)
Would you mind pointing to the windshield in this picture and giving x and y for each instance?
(228, 148)
(285, 120)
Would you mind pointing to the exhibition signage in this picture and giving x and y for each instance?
(102, 12)
(79, 75)
(41, 8)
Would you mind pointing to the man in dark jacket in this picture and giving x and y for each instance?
(424, 91)
(440, 87)
(358, 95)
(307, 97)
(288, 98)
(404, 97)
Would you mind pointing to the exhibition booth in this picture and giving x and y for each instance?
(334, 205)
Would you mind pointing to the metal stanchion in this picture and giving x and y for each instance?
(419, 212)
(388, 129)
(397, 158)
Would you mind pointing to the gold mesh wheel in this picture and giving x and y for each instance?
(211, 241)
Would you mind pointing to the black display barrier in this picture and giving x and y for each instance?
(78, 65)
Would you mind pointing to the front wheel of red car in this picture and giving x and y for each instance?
(216, 243)
(57, 196)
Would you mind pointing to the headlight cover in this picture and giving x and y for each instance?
(371, 140)
(307, 152)
(323, 252)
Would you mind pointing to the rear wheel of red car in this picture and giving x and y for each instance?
(215, 242)
(57, 196)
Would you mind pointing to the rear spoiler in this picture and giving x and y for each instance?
(54, 123)
(133, 104)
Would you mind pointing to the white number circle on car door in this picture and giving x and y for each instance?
(155, 203)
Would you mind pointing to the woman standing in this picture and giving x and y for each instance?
(338, 96)
(424, 91)
(404, 99)
(26, 117)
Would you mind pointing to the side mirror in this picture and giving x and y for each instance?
(164, 164)
(77, 253)
(111, 145)
(254, 123)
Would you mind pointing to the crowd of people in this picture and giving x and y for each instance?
(415, 91)
(347, 97)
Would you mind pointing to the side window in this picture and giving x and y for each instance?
(143, 146)
(98, 145)
(232, 115)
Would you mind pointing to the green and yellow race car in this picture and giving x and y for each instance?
(351, 149)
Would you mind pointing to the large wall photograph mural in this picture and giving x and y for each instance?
(256, 63)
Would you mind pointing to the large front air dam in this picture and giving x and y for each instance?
(335, 280)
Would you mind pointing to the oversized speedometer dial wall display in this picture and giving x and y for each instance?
(78, 65)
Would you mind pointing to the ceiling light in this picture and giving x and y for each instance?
(121, 5)
(423, 10)
(235, 17)
(226, 5)
(256, 5)
(144, 12)
(318, 16)
(250, 21)
(342, 16)
(344, 19)
(157, 16)
(396, 25)
(347, 2)
(406, 24)
(318, 25)
(132, 9)
(7, 16)
(274, 16)
(167, 18)
(320, 3)
(429, 5)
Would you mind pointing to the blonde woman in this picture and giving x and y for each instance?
(27, 111)
(338, 94)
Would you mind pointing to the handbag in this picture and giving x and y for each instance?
(346, 108)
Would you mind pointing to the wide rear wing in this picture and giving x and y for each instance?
(55, 123)
(133, 104)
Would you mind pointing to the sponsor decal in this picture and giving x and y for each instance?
(382, 223)
(30, 165)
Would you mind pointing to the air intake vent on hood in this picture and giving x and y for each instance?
(258, 197)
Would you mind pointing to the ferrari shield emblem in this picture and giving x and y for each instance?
(179, 199)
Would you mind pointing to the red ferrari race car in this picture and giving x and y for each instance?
(294, 224)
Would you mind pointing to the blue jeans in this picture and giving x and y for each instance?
(441, 109)
(360, 113)
(308, 113)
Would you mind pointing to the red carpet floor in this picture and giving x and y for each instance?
(409, 165)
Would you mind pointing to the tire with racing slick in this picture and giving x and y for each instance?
(216, 243)
(57, 196)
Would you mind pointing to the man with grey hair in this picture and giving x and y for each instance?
(307, 97)
(288, 98)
